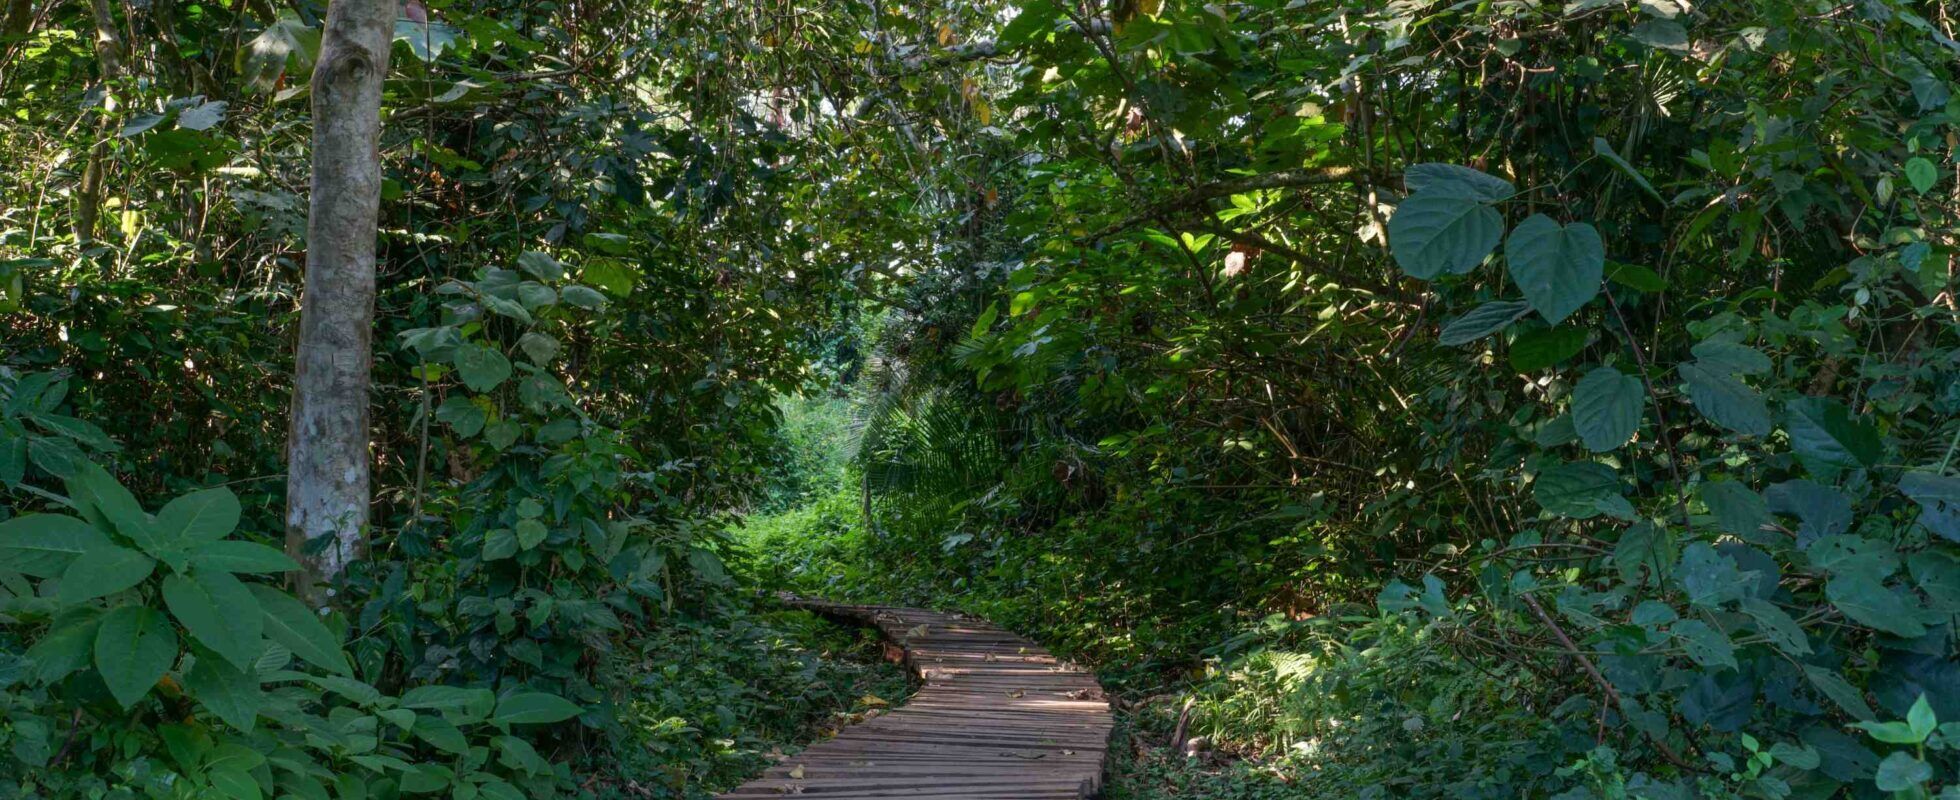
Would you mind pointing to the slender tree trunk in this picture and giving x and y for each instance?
(327, 458)
(109, 54)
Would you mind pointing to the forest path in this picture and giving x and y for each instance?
(998, 718)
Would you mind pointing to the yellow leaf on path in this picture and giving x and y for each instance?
(797, 772)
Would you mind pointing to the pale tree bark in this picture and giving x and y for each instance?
(327, 459)
(109, 55)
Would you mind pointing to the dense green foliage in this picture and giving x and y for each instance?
(1614, 346)
(1489, 399)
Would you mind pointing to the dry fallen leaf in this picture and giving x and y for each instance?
(797, 772)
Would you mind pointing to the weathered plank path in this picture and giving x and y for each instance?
(996, 719)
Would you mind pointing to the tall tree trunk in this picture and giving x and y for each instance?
(327, 458)
(108, 54)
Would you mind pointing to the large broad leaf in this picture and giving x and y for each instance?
(203, 516)
(1726, 401)
(228, 692)
(1582, 490)
(1938, 497)
(1840, 691)
(1606, 408)
(1710, 578)
(1559, 267)
(134, 646)
(451, 700)
(534, 708)
(1435, 234)
(287, 44)
(1483, 321)
(1737, 508)
(1543, 348)
(1827, 439)
(426, 40)
(1708, 647)
(1874, 604)
(101, 498)
(439, 732)
(1821, 510)
(1451, 180)
(1644, 548)
(290, 623)
(66, 646)
(103, 571)
(240, 557)
(220, 613)
(1938, 575)
(482, 368)
(43, 545)
(1776, 625)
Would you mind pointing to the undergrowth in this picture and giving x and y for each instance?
(707, 703)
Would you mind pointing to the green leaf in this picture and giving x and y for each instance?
(1483, 321)
(1731, 357)
(534, 708)
(499, 544)
(461, 415)
(1901, 771)
(1451, 180)
(1581, 490)
(611, 275)
(427, 40)
(239, 557)
(43, 545)
(1921, 718)
(450, 699)
(1873, 604)
(1644, 547)
(1604, 150)
(1539, 349)
(290, 623)
(1430, 235)
(231, 694)
(1634, 276)
(1922, 174)
(1710, 578)
(1737, 509)
(1938, 575)
(530, 533)
(1827, 439)
(198, 517)
(1559, 267)
(538, 347)
(541, 265)
(1661, 34)
(1606, 408)
(584, 297)
(1726, 401)
(482, 368)
(1777, 626)
(103, 571)
(235, 785)
(203, 116)
(220, 613)
(98, 496)
(13, 459)
(134, 647)
(66, 646)
(1840, 691)
(1707, 646)
(438, 732)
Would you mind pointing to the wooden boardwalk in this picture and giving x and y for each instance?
(996, 719)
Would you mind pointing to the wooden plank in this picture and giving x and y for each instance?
(997, 718)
